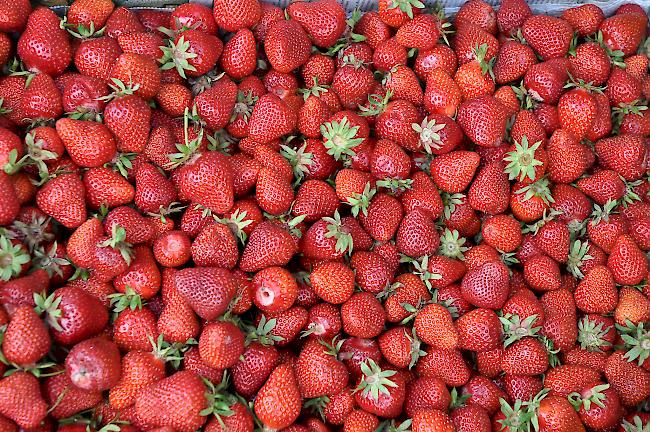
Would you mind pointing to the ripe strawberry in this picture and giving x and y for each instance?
(511, 15)
(44, 46)
(271, 119)
(486, 286)
(490, 190)
(89, 13)
(221, 344)
(175, 401)
(577, 112)
(468, 37)
(422, 32)
(417, 235)
(269, 244)
(207, 180)
(106, 187)
(324, 20)
(585, 19)
(137, 70)
(623, 154)
(287, 46)
(631, 382)
(624, 32)
(208, 290)
(479, 330)
(555, 413)
(26, 339)
(434, 326)
(234, 16)
(483, 120)
(139, 369)
(441, 95)
(597, 293)
(14, 15)
(278, 402)
(396, 13)
(362, 315)
(41, 99)
(627, 262)
(318, 372)
(549, 36)
(432, 420)
(89, 144)
(63, 198)
(21, 400)
(94, 364)
(333, 282)
(128, 119)
(72, 399)
(381, 392)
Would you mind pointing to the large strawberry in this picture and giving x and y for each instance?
(21, 400)
(234, 15)
(287, 46)
(208, 290)
(45, 46)
(483, 120)
(323, 20)
(278, 402)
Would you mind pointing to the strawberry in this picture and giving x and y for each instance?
(137, 70)
(478, 12)
(221, 344)
(511, 15)
(362, 315)
(268, 245)
(627, 262)
(14, 15)
(513, 61)
(317, 370)
(631, 382)
(128, 119)
(287, 46)
(239, 57)
(91, 14)
(549, 36)
(441, 95)
(432, 420)
(468, 37)
(21, 400)
(624, 32)
(396, 13)
(26, 339)
(585, 19)
(568, 159)
(208, 290)
(176, 401)
(333, 282)
(207, 180)
(172, 249)
(324, 21)
(63, 198)
(478, 330)
(605, 409)
(71, 399)
(41, 99)
(93, 364)
(483, 120)
(486, 286)
(44, 46)
(422, 32)
(95, 57)
(89, 144)
(434, 326)
(106, 187)
(271, 119)
(416, 235)
(490, 190)
(153, 191)
(577, 112)
(275, 289)
(623, 154)
(139, 369)
(192, 53)
(555, 413)
(234, 16)
(192, 16)
(597, 293)
(380, 391)
(453, 172)
(278, 402)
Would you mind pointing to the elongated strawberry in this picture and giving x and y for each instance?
(21, 400)
(278, 402)
(63, 198)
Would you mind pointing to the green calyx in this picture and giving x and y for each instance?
(299, 159)
(637, 341)
(361, 202)
(406, 6)
(591, 335)
(336, 229)
(118, 242)
(429, 133)
(340, 138)
(594, 396)
(375, 381)
(12, 258)
(177, 55)
(129, 299)
(49, 305)
(521, 161)
(578, 254)
(263, 332)
(452, 245)
(514, 328)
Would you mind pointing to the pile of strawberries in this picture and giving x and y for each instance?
(248, 218)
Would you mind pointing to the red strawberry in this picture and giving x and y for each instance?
(627, 262)
(232, 16)
(221, 344)
(128, 119)
(89, 144)
(94, 364)
(207, 180)
(483, 120)
(14, 15)
(271, 119)
(577, 112)
(287, 46)
(318, 372)
(511, 15)
(44, 46)
(549, 36)
(21, 400)
(624, 32)
(278, 402)
(269, 244)
(434, 326)
(95, 57)
(422, 32)
(72, 399)
(208, 290)
(175, 401)
(137, 70)
(585, 19)
(486, 286)
(26, 339)
(63, 198)
(324, 20)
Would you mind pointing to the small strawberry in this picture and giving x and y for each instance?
(89, 144)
